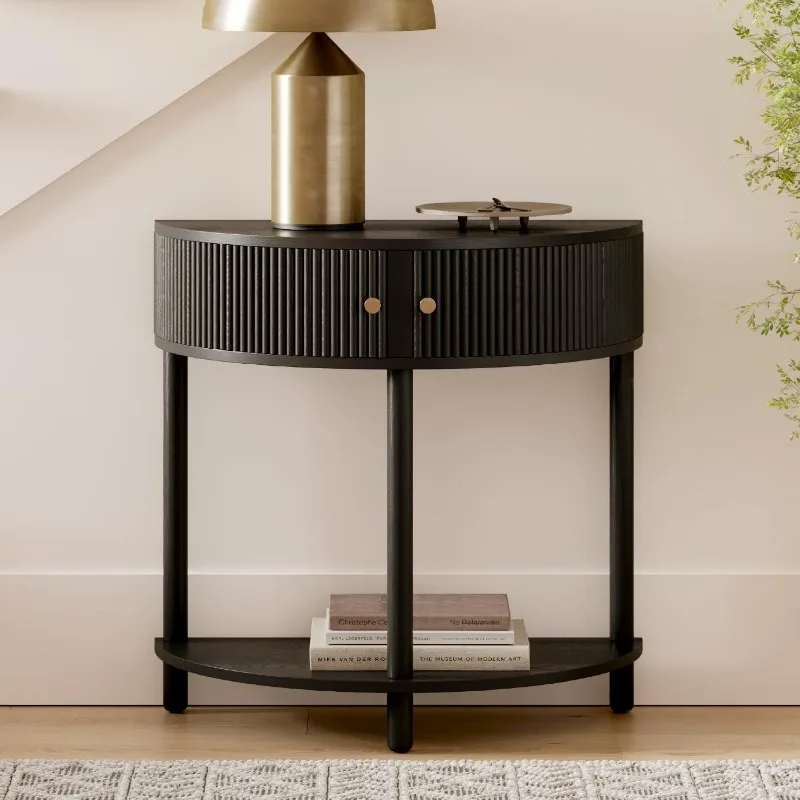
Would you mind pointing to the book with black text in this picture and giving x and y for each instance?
(372, 657)
(432, 612)
(420, 637)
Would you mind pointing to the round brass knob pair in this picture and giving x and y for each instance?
(427, 305)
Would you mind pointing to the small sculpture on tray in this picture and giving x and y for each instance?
(494, 211)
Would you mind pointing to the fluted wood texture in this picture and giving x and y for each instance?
(269, 300)
(274, 301)
(529, 300)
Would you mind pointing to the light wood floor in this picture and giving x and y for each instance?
(559, 733)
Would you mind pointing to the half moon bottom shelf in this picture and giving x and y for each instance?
(284, 662)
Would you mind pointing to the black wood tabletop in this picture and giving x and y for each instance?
(401, 234)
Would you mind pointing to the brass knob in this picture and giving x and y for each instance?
(427, 305)
(372, 305)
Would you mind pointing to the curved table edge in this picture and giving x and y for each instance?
(384, 240)
(477, 681)
(319, 362)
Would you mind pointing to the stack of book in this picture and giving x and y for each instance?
(471, 632)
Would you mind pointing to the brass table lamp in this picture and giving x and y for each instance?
(318, 101)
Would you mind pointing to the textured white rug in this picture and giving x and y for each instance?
(400, 780)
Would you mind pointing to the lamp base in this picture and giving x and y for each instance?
(287, 226)
(318, 139)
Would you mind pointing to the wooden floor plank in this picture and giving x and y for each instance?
(570, 733)
(149, 733)
(557, 733)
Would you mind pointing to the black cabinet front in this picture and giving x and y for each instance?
(526, 301)
(271, 301)
(412, 296)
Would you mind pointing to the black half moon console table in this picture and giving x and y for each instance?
(397, 296)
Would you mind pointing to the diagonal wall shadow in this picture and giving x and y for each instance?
(261, 59)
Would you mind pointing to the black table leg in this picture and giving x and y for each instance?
(176, 685)
(400, 570)
(621, 680)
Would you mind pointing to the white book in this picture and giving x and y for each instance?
(420, 637)
(469, 658)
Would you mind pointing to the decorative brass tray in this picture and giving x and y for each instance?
(494, 211)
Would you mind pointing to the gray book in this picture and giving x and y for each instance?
(432, 612)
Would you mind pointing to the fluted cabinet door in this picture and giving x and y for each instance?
(525, 301)
(274, 301)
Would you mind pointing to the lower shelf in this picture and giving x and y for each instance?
(284, 662)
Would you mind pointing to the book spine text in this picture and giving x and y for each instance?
(422, 637)
(449, 623)
(323, 659)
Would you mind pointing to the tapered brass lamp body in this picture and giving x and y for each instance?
(318, 101)
(318, 138)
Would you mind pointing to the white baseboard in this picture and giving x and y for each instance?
(728, 639)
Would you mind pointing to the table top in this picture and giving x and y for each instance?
(401, 234)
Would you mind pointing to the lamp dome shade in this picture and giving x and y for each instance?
(319, 15)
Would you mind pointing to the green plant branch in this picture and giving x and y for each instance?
(770, 28)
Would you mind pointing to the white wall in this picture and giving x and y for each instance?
(76, 76)
(624, 109)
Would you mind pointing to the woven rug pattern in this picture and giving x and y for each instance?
(400, 780)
